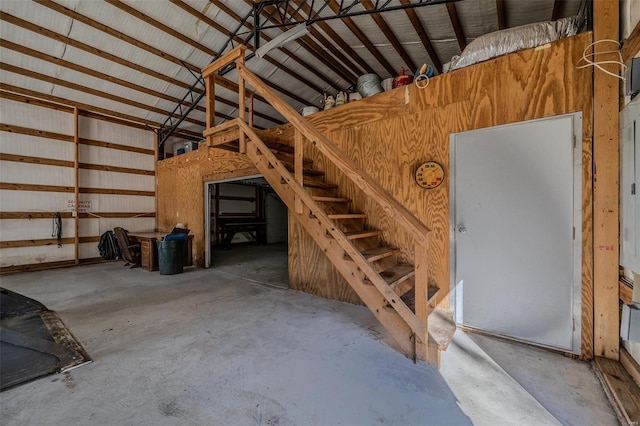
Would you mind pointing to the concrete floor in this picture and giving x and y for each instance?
(217, 347)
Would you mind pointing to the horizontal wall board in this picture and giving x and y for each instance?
(91, 227)
(35, 146)
(68, 215)
(48, 265)
(112, 157)
(34, 229)
(35, 174)
(38, 254)
(116, 133)
(33, 116)
(109, 203)
(98, 179)
(12, 200)
(45, 242)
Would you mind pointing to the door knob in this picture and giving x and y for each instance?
(462, 229)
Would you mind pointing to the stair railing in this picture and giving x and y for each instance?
(392, 207)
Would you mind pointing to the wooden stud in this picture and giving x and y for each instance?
(606, 188)
(76, 190)
(298, 167)
(242, 143)
(251, 96)
(156, 146)
(422, 310)
(210, 102)
(631, 45)
(63, 163)
(58, 188)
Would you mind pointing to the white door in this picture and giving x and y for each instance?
(516, 193)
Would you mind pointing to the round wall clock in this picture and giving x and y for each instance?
(429, 175)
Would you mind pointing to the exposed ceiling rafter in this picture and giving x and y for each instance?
(500, 12)
(455, 23)
(424, 38)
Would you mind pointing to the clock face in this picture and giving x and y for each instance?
(429, 175)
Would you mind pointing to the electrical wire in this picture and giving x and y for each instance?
(591, 62)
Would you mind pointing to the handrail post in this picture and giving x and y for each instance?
(251, 96)
(298, 154)
(421, 295)
(241, 109)
(210, 87)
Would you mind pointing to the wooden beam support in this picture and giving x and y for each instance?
(455, 23)
(557, 5)
(388, 33)
(631, 45)
(502, 19)
(605, 188)
(424, 38)
(76, 189)
(298, 167)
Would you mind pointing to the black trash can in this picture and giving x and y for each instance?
(170, 257)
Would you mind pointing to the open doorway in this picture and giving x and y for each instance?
(246, 228)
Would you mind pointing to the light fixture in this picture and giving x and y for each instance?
(284, 38)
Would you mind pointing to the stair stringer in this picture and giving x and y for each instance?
(399, 320)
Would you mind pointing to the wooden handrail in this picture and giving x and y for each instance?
(415, 323)
(399, 213)
(225, 60)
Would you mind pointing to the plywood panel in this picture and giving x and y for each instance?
(181, 188)
(535, 83)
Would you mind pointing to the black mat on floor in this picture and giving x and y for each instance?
(33, 341)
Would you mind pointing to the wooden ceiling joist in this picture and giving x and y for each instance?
(125, 118)
(557, 5)
(348, 55)
(134, 42)
(204, 18)
(364, 40)
(97, 74)
(162, 27)
(330, 81)
(388, 33)
(455, 23)
(84, 89)
(424, 38)
(316, 50)
(501, 15)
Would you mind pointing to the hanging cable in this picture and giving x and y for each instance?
(589, 59)
(57, 228)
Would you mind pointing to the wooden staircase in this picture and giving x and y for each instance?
(397, 293)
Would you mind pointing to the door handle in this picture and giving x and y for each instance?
(462, 229)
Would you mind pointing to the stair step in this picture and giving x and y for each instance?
(410, 296)
(347, 216)
(395, 275)
(355, 235)
(305, 171)
(317, 184)
(441, 327)
(330, 199)
(379, 253)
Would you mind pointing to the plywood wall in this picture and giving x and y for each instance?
(38, 178)
(181, 189)
(390, 134)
